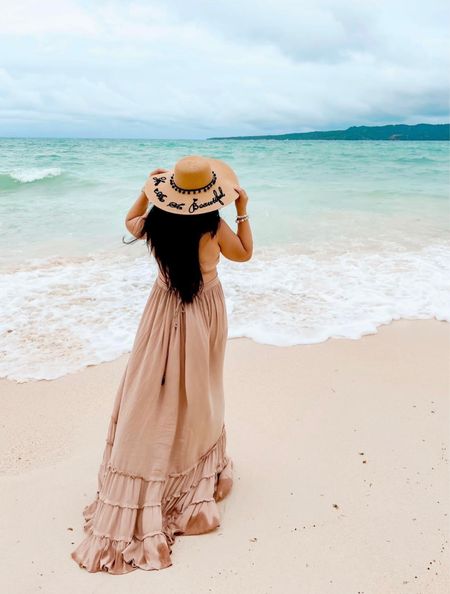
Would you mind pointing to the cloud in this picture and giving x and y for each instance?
(175, 69)
(28, 17)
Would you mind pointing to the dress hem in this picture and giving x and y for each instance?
(138, 530)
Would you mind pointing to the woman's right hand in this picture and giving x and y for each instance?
(158, 171)
(241, 201)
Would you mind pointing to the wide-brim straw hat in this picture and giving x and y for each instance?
(194, 186)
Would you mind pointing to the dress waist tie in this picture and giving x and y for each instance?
(180, 309)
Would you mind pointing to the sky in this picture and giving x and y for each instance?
(194, 69)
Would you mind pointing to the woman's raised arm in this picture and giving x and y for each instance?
(135, 216)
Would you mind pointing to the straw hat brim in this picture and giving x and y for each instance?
(158, 190)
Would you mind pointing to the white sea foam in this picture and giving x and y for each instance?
(34, 174)
(60, 315)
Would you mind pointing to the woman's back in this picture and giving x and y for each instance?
(225, 242)
(209, 256)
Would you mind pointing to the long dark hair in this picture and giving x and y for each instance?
(174, 241)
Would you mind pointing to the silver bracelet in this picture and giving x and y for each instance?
(241, 218)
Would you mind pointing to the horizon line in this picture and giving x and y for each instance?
(212, 137)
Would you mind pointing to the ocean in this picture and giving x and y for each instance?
(347, 236)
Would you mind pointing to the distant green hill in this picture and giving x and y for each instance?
(391, 132)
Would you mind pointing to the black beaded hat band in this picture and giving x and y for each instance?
(194, 185)
(195, 190)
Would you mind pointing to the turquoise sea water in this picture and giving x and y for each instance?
(347, 235)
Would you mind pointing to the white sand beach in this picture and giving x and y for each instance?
(340, 454)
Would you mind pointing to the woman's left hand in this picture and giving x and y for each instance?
(159, 170)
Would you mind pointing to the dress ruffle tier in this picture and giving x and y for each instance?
(133, 520)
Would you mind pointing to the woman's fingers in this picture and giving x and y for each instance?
(242, 199)
(159, 170)
(241, 191)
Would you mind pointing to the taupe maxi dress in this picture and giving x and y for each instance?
(164, 459)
